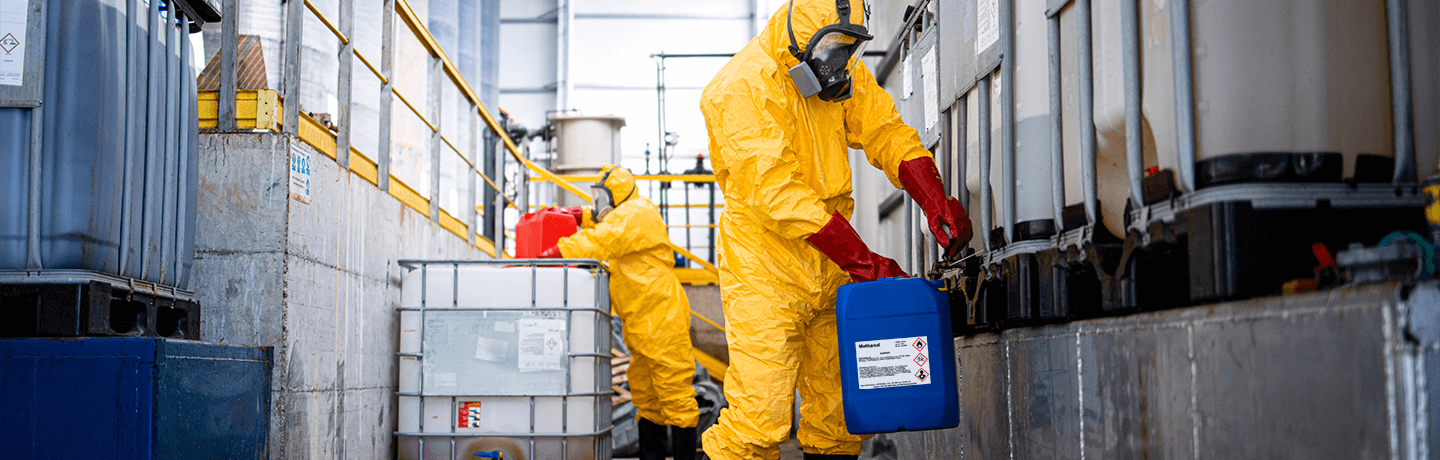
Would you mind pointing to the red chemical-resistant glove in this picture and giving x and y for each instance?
(552, 253)
(838, 241)
(948, 221)
(578, 212)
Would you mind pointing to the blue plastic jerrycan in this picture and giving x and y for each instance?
(897, 357)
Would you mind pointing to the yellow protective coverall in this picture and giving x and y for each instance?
(782, 164)
(646, 295)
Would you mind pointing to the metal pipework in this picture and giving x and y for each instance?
(985, 198)
(1184, 92)
(962, 146)
(1130, 43)
(1057, 138)
(1007, 117)
(1085, 57)
(1400, 105)
(37, 135)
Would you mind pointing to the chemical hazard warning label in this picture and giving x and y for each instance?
(892, 363)
(13, 22)
(469, 415)
(542, 344)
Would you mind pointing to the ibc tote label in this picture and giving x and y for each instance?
(892, 363)
(13, 15)
(987, 25)
(542, 344)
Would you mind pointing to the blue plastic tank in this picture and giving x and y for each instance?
(897, 356)
(119, 146)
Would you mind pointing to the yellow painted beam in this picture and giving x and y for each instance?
(716, 368)
(317, 135)
(364, 167)
(696, 276)
(688, 255)
(409, 196)
(693, 178)
(254, 109)
(485, 245)
(453, 225)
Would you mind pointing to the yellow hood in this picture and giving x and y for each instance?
(808, 17)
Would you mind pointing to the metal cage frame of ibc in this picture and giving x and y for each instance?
(1077, 268)
(602, 336)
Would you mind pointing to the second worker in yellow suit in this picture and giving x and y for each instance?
(781, 115)
(625, 230)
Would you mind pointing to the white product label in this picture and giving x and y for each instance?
(493, 350)
(987, 25)
(13, 15)
(906, 77)
(299, 172)
(928, 85)
(893, 363)
(542, 344)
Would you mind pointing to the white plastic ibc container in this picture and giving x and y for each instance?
(510, 356)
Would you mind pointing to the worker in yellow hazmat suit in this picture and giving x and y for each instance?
(781, 116)
(625, 230)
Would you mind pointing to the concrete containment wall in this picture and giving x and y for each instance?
(317, 281)
(1342, 374)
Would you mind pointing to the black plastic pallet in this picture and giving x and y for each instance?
(94, 308)
(1216, 250)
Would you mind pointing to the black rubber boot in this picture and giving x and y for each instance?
(682, 443)
(652, 440)
(810, 456)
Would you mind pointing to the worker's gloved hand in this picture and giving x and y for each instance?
(838, 241)
(578, 212)
(922, 182)
(552, 253)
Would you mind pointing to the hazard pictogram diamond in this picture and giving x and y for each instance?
(9, 43)
(919, 344)
(921, 359)
(922, 375)
(552, 343)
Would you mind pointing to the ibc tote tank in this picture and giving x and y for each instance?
(118, 148)
(1270, 76)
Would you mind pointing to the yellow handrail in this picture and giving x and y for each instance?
(418, 27)
(323, 20)
(692, 178)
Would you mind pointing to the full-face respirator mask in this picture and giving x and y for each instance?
(603, 200)
(824, 68)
